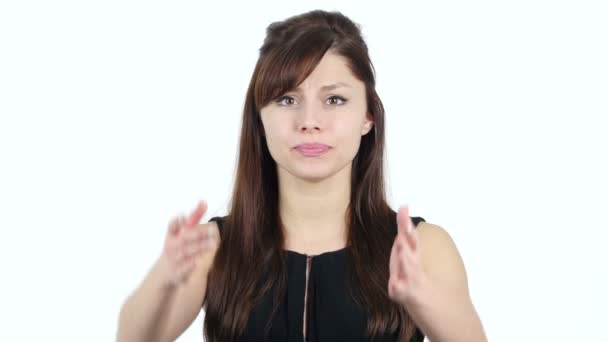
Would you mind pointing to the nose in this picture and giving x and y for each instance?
(309, 118)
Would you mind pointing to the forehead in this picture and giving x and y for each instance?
(331, 69)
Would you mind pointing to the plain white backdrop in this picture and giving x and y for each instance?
(118, 115)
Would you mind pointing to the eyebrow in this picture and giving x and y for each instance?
(329, 86)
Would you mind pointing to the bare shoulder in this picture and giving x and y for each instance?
(211, 228)
(434, 237)
(440, 255)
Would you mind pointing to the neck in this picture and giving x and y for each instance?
(314, 213)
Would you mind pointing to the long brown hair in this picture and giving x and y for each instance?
(252, 238)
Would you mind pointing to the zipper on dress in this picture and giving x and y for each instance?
(305, 323)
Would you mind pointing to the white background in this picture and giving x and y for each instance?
(117, 115)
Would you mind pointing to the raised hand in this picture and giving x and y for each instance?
(185, 241)
(406, 272)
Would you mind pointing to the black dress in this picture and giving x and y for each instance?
(331, 313)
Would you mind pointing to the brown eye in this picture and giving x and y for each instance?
(336, 100)
(285, 100)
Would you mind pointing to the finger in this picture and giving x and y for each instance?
(188, 244)
(403, 219)
(408, 256)
(174, 226)
(393, 259)
(399, 289)
(405, 272)
(193, 234)
(175, 238)
(405, 262)
(412, 238)
(199, 234)
(197, 246)
(397, 245)
(401, 274)
(180, 221)
(391, 287)
(400, 269)
(192, 250)
(406, 247)
(197, 214)
(402, 243)
(396, 288)
(410, 263)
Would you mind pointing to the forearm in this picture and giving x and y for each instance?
(445, 316)
(144, 314)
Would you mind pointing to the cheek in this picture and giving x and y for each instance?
(276, 137)
(349, 138)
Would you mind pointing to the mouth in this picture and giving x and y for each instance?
(312, 150)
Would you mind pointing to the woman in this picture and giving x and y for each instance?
(310, 249)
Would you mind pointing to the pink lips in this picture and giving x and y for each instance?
(312, 149)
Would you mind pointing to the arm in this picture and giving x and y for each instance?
(442, 307)
(144, 313)
(157, 312)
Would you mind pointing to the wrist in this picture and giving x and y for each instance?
(160, 277)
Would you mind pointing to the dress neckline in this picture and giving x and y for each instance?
(328, 253)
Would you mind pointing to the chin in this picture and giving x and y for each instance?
(313, 173)
(312, 176)
(311, 170)
(306, 171)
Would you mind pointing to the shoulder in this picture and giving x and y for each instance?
(433, 235)
(440, 256)
(211, 227)
(215, 223)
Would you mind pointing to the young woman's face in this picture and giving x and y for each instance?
(315, 131)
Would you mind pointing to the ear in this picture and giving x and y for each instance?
(368, 124)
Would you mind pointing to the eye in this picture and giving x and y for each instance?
(285, 100)
(336, 100)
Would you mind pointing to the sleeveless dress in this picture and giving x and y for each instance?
(331, 315)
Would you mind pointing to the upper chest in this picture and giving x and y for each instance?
(320, 299)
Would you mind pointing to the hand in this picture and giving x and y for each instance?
(406, 273)
(184, 243)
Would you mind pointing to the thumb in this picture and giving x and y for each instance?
(403, 219)
(197, 214)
